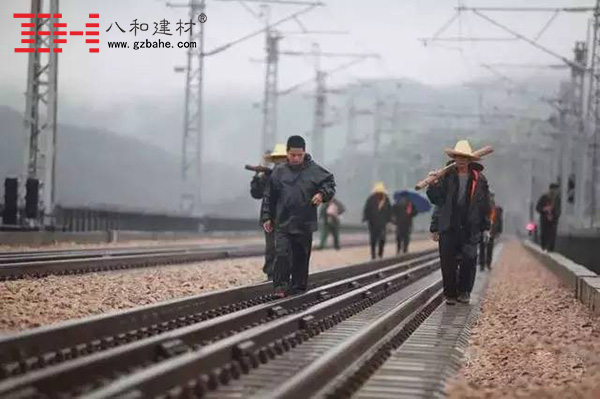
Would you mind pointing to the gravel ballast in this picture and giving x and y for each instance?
(34, 302)
(533, 339)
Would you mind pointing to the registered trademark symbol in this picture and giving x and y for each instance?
(202, 18)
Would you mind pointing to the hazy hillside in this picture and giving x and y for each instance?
(101, 167)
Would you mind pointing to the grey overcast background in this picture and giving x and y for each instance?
(122, 94)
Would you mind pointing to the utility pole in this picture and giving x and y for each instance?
(353, 113)
(192, 143)
(318, 139)
(377, 116)
(321, 91)
(193, 121)
(595, 105)
(272, 39)
(269, 132)
(41, 101)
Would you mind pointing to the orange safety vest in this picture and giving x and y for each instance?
(474, 184)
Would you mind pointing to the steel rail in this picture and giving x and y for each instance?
(13, 268)
(37, 348)
(196, 372)
(81, 375)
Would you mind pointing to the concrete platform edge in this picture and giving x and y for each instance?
(584, 283)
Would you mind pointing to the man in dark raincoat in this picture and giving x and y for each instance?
(548, 206)
(377, 213)
(257, 191)
(403, 213)
(462, 200)
(294, 192)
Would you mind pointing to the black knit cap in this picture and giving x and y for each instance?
(296, 142)
(554, 185)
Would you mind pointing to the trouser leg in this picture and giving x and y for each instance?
(324, 235)
(301, 249)
(544, 234)
(551, 237)
(482, 254)
(468, 265)
(406, 241)
(466, 274)
(447, 248)
(335, 230)
(490, 252)
(283, 258)
(381, 244)
(270, 254)
(398, 242)
(373, 241)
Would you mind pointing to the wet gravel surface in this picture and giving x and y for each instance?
(533, 339)
(34, 302)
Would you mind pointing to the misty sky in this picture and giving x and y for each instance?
(105, 82)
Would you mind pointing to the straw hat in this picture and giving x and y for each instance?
(379, 188)
(278, 152)
(463, 149)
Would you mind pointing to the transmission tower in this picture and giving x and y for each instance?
(272, 38)
(41, 106)
(269, 133)
(321, 91)
(594, 107)
(191, 151)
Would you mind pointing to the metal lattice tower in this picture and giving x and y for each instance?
(318, 138)
(377, 130)
(269, 132)
(594, 111)
(191, 151)
(41, 107)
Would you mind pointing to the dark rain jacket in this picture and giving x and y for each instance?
(289, 192)
(546, 200)
(444, 195)
(377, 218)
(498, 222)
(402, 216)
(435, 217)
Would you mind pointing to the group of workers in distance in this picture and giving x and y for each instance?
(465, 218)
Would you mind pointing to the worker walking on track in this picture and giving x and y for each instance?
(548, 206)
(257, 191)
(403, 213)
(462, 200)
(377, 213)
(289, 208)
(486, 247)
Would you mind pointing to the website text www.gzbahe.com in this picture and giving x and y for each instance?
(147, 44)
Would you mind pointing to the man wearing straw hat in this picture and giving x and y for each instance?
(257, 191)
(294, 192)
(462, 200)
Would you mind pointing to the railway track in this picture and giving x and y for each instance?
(163, 329)
(17, 265)
(273, 359)
(233, 343)
(369, 330)
(362, 330)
